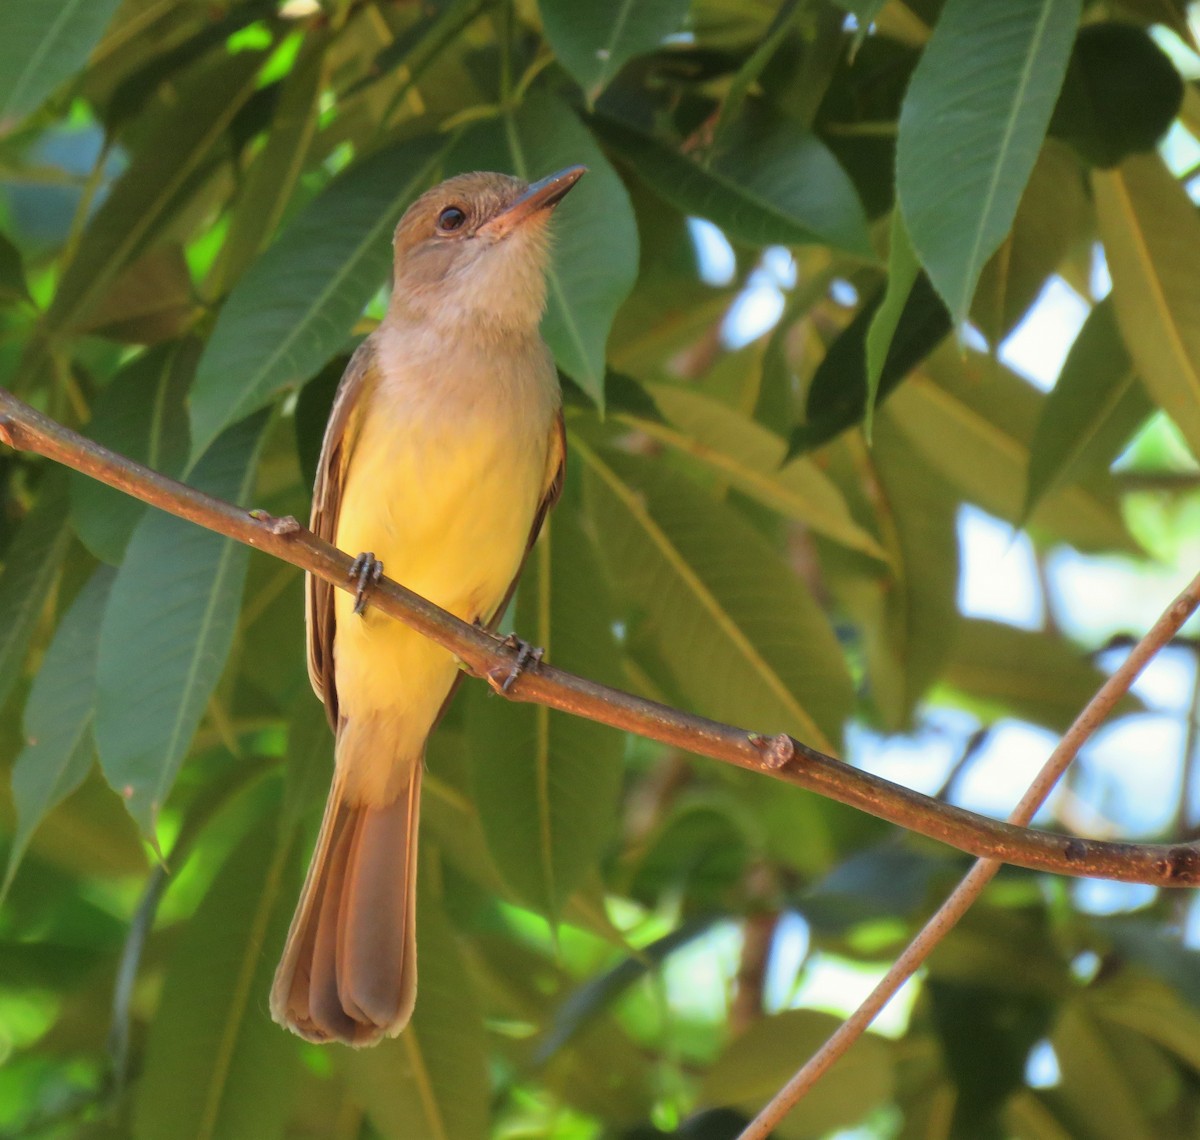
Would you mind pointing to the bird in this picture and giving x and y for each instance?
(444, 451)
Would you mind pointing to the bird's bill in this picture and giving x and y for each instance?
(540, 198)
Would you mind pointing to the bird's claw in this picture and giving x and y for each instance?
(365, 571)
(527, 655)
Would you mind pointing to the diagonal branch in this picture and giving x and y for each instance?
(485, 655)
(973, 883)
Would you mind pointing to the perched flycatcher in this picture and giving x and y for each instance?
(443, 453)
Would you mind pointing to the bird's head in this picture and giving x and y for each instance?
(472, 251)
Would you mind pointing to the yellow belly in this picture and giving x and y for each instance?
(449, 514)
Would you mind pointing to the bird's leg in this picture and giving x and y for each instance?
(365, 570)
(526, 655)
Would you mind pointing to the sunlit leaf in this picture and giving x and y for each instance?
(45, 42)
(1039, 677)
(297, 303)
(1151, 235)
(971, 128)
(752, 459)
(215, 1063)
(58, 718)
(594, 41)
(595, 250)
(168, 627)
(546, 784)
(755, 1064)
(743, 637)
(975, 424)
(1092, 410)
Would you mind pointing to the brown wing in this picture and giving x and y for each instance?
(327, 499)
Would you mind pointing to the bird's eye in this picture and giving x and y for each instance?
(451, 219)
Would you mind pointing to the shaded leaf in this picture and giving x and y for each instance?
(45, 42)
(755, 1064)
(594, 41)
(140, 415)
(792, 193)
(903, 269)
(169, 165)
(546, 784)
(595, 251)
(743, 637)
(1091, 412)
(167, 630)
(297, 303)
(57, 721)
(971, 127)
(13, 286)
(151, 301)
(431, 1081)
(31, 566)
(837, 396)
(1039, 677)
(215, 1063)
(751, 458)
(1120, 95)
(1151, 235)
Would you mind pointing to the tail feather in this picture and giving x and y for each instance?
(349, 967)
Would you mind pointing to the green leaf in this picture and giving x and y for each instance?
(45, 42)
(751, 458)
(30, 568)
(974, 421)
(1039, 677)
(1151, 235)
(595, 250)
(297, 303)
(13, 286)
(167, 630)
(754, 1065)
(971, 127)
(215, 1063)
(907, 617)
(276, 169)
(837, 395)
(903, 269)
(58, 748)
(780, 185)
(594, 41)
(744, 639)
(1092, 410)
(545, 784)
(176, 154)
(140, 415)
(432, 1080)
(1120, 96)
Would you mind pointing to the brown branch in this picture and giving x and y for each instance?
(972, 885)
(1167, 865)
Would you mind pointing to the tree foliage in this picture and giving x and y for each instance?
(761, 524)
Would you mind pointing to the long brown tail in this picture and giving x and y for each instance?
(349, 967)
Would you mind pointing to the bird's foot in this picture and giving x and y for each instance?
(365, 571)
(502, 680)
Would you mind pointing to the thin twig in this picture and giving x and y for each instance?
(486, 655)
(972, 885)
